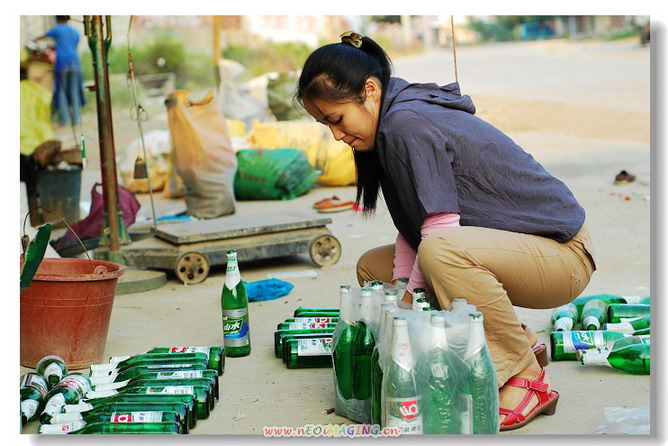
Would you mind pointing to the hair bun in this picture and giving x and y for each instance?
(352, 37)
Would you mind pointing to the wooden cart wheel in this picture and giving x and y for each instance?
(325, 250)
(192, 268)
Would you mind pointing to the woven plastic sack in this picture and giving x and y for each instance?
(280, 174)
(334, 159)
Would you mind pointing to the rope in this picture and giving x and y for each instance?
(454, 49)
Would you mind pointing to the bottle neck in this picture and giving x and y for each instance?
(346, 307)
(476, 340)
(401, 347)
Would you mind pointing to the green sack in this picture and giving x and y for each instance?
(278, 174)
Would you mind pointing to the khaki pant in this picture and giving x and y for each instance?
(495, 270)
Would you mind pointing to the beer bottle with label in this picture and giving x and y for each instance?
(183, 405)
(166, 376)
(438, 382)
(614, 345)
(316, 312)
(594, 315)
(146, 359)
(617, 312)
(564, 317)
(145, 416)
(630, 326)
(634, 358)
(342, 355)
(34, 389)
(166, 427)
(52, 368)
(607, 299)
(215, 355)
(480, 388)
(402, 399)
(565, 344)
(234, 301)
(70, 390)
(309, 352)
(309, 320)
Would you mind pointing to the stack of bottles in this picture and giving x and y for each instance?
(422, 370)
(604, 329)
(162, 391)
(304, 340)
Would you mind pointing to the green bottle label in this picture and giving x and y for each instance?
(235, 328)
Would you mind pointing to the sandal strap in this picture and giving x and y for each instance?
(527, 384)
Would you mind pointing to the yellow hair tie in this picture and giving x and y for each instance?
(352, 37)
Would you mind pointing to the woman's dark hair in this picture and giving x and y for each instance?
(337, 73)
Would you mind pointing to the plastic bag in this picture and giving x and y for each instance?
(635, 421)
(35, 115)
(280, 174)
(267, 289)
(205, 160)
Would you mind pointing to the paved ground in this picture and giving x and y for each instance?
(582, 110)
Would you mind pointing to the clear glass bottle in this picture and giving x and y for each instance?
(234, 302)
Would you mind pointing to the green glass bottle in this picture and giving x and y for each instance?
(607, 299)
(629, 325)
(565, 344)
(316, 312)
(309, 320)
(641, 332)
(305, 325)
(145, 416)
(564, 317)
(617, 312)
(81, 427)
(204, 402)
(438, 382)
(402, 400)
(362, 348)
(184, 405)
(34, 389)
(280, 334)
(634, 358)
(387, 310)
(158, 360)
(52, 368)
(136, 370)
(215, 355)
(206, 375)
(480, 384)
(645, 300)
(594, 315)
(614, 345)
(234, 301)
(280, 347)
(308, 353)
(342, 355)
(70, 390)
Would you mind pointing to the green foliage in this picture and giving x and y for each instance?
(281, 57)
(503, 28)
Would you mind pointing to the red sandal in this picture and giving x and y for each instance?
(547, 402)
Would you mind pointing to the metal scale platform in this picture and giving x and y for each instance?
(190, 249)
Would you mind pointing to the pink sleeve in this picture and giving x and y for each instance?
(432, 223)
(404, 258)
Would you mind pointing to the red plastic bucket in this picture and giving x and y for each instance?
(66, 311)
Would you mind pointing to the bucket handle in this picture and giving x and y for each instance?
(99, 270)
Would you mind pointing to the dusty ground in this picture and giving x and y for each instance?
(582, 109)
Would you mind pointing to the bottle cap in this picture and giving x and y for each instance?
(622, 327)
(563, 324)
(591, 323)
